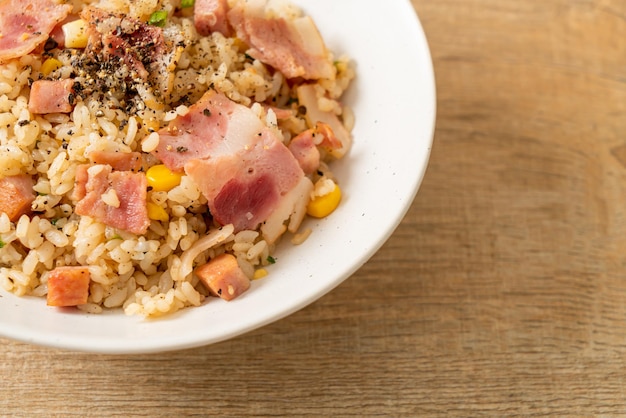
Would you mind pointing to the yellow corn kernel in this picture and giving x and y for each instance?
(157, 213)
(161, 179)
(50, 65)
(75, 34)
(260, 273)
(322, 206)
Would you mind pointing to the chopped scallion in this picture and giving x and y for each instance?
(158, 18)
(186, 3)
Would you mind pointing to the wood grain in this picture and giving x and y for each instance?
(502, 293)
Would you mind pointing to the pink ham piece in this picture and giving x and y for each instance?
(16, 195)
(68, 286)
(304, 150)
(131, 214)
(281, 114)
(120, 161)
(26, 24)
(223, 277)
(210, 16)
(304, 146)
(241, 167)
(294, 47)
(51, 96)
(80, 182)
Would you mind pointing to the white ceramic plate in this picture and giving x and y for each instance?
(393, 98)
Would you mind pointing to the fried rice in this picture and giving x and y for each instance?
(151, 273)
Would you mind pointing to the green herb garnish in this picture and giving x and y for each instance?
(2, 244)
(187, 3)
(158, 18)
(271, 259)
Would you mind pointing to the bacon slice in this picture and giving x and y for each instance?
(210, 16)
(241, 167)
(16, 195)
(214, 125)
(26, 24)
(51, 96)
(68, 286)
(294, 47)
(244, 188)
(130, 213)
(223, 277)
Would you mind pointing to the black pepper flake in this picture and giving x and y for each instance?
(206, 112)
(50, 44)
(182, 149)
(219, 292)
(77, 87)
(302, 110)
(23, 122)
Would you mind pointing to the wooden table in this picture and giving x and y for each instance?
(502, 293)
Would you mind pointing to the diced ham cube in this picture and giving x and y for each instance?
(130, 189)
(68, 286)
(304, 147)
(223, 277)
(304, 150)
(51, 96)
(16, 195)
